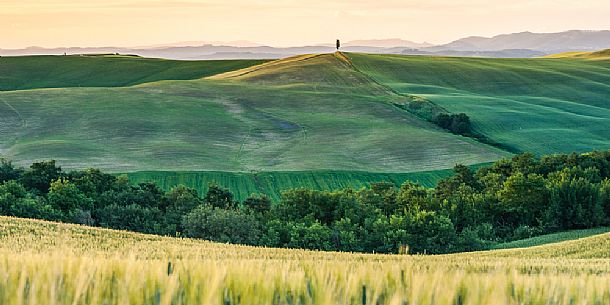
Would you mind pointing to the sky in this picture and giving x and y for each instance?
(129, 23)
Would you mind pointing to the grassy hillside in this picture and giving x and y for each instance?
(597, 55)
(537, 105)
(263, 122)
(596, 246)
(331, 114)
(274, 183)
(552, 238)
(29, 72)
(69, 264)
(317, 73)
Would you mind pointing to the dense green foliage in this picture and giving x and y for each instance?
(31, 72)
(456, 123)
(512, 199)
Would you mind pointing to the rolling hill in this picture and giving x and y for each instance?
(552, 238)
(537, 105)
(597, 55)
(31, 72)
(327, 120)
(297, 114)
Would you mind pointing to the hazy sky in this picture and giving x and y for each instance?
(54, 23)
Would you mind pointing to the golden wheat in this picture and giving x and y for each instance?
(49, 263)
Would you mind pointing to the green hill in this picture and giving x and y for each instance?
(268, 120)
(536, 105)
(597, 55)
(596, 246)
(328, 120)
(29, 72)
(552, 238)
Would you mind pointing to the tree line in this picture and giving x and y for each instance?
(511, 199)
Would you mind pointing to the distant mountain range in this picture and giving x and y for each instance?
(542, 42)
(525, 44)
(235, 43)
(387, 43)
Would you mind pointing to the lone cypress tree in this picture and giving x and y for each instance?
(338, 44)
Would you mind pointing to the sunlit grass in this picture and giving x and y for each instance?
(69, 264)
(539, 105)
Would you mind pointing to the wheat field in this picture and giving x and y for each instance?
(49, 263)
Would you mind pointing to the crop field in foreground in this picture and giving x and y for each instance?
(68, 264)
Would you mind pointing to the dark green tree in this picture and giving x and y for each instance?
(524, 199)
(178, 202)
(219, 197)
(40, 175)
(430, 232)
(258, 203)
(8, 171)
(222, 225)
(16, 201)
(67, 198)
(575, 202)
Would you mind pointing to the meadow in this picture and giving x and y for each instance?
(323, 121)
(552, 238)
(313, 113)
(537, 105)
(33, 72)
(68, 264)
(596, 55)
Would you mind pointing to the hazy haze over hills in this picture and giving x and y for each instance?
(388, 43)
(524, 44)
(563, 41)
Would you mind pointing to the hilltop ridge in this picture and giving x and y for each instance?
(595, 55)
(35, 72)
(331, 72)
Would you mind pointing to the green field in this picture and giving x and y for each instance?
(536, 105)
(598, 55)
(552, 238)
(70, 264)
(30, 72)
(323, 115)
(327, 120)
(273, 184)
